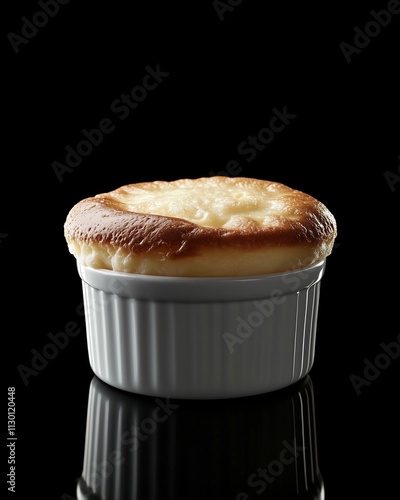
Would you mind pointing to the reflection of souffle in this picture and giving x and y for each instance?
(140, 448)
(211, 226)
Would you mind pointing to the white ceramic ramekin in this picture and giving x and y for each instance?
(201, 338)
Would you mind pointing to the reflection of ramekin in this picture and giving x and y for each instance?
(201, 338)
(258, 447)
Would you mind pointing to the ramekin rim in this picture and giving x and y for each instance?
(187, 279)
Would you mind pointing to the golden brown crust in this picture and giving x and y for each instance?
(107, 220)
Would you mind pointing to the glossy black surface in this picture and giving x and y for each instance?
(219, 84)
(244, 447)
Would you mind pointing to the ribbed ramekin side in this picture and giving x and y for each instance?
(200, 350)
(306, 307)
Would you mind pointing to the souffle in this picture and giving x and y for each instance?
(205, 227)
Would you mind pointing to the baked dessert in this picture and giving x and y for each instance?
(242, 319)
(209, 226)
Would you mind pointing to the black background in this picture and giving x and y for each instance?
(224, 79)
